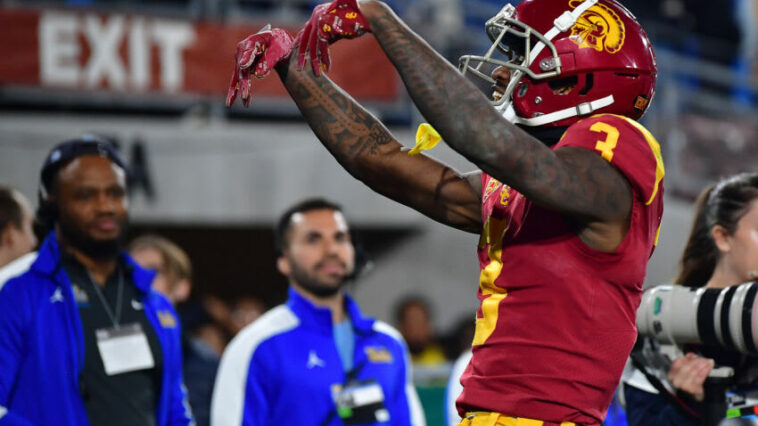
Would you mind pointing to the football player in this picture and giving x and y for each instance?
(568, 201)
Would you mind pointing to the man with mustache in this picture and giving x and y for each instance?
(84, 339)
(316, 360)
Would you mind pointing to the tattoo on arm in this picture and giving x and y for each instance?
(335, 118)
(368, 151)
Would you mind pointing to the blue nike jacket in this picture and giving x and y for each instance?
(282, 369)
(42, 347)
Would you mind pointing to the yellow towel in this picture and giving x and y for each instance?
(426, 138)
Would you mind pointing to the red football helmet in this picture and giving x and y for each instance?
(568, 59)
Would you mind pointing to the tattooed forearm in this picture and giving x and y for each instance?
(368, 151)
(469, 124)
(336, 119)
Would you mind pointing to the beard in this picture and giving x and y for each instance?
(312, 284)
(95, 248)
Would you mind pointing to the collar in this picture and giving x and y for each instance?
(547, 135)
(49, 262)
(321, 318)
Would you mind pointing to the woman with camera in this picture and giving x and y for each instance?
(722, 251)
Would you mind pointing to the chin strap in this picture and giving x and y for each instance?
(580, 110)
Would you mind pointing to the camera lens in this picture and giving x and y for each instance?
(725, 317)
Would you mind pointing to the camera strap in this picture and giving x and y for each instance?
(639, 362)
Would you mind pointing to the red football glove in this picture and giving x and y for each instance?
(329, 23)
(257, 55)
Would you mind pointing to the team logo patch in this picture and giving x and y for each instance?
(167, 319)
(598, 28)
(492, 186)
(378, 354)
(640, 103)
(505, 195)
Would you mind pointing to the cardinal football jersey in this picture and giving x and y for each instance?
(557, 318)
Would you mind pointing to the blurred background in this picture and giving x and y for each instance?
(152, 75)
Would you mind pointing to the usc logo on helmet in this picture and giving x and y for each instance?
(599, 28)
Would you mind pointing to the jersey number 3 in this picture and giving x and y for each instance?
(607, 145)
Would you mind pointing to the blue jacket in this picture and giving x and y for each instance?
(42, 347)
(644, 408)
(280, 370)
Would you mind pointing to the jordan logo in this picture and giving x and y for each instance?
(57, 296)
(314, 360)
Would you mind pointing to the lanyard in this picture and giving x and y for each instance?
(349, 376)
(120, 292)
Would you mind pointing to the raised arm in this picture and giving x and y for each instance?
(355, 137)
(573, 181)
(367, 150)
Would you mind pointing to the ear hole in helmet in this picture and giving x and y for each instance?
(588, 83)
(563, 85)
(522, 89)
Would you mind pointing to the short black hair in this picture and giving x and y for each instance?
(60, 156)
(66, 152)
(284, 224)
(10, 208)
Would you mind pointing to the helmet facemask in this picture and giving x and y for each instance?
(517, 46)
